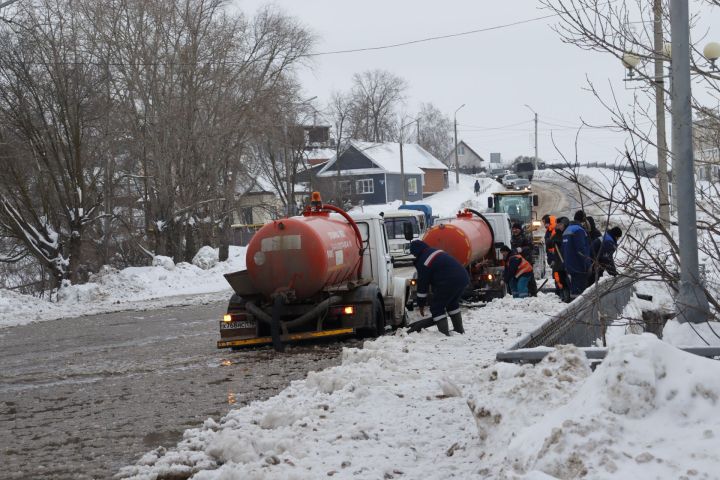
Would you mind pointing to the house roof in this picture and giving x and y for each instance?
(472, 150)
(451, 153)
(386, 156)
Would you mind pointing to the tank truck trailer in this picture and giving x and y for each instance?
(324, 273)
(474, 240)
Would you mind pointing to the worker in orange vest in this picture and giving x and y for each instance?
(518, 272)
(550, 222)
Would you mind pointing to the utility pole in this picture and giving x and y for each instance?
(664, 204)
(535, 159)
(457, 167)
(418, 131)
(691, 302)
(402, 161)
(402, 170)
(536, 153)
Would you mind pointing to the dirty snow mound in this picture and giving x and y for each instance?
(165, 262)
(649, 411)
(206, 258)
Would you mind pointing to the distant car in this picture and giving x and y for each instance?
(522, 184)
(509, 180)
(481, 175)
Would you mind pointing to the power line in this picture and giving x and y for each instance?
(502, 127)
(431, 39)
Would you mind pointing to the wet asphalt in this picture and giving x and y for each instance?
(82, 397)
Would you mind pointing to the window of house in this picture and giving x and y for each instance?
(345, 187)
(412, 186)
(365, 186)
(246, 215)
(461, 149)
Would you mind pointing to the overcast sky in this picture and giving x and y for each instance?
(493, 73)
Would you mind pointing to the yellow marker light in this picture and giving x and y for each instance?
(350, 310)
(227, 318)
(490, 277)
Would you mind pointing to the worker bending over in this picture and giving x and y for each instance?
(447, 278)
(518, 272)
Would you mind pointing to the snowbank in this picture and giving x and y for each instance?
(164, 283)
(649, 411)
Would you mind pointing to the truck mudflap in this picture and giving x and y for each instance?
(291, 337)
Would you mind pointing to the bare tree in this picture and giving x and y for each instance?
(435, 131)
(376, 94)
(52, 108)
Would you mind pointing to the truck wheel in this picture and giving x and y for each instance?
(378, 321)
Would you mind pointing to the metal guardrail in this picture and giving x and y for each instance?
(581, 324)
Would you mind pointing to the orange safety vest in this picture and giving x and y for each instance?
(524, 266)
(551, 229)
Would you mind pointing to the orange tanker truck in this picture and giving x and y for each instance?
(323, 273)
(473, 239)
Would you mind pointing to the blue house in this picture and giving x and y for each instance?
(371, 173)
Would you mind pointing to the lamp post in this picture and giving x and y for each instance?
(535, 159)
(402, 161)
(457, 167)
(692, 304)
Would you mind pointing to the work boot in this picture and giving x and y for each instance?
(456, 319)
(420, 324)
(443, 326)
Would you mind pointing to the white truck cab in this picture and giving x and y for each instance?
(397, 224)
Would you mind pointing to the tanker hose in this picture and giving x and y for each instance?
(277, 309)
(312, 313)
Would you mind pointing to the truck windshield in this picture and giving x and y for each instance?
(518, 207)
(394, 226)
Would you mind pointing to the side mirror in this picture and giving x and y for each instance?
(490, 202)
(408, 231)
(536, 201)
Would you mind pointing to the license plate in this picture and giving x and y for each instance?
(237, 324)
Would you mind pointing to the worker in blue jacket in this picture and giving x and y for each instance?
(448, 279)
(603, 253)
(576, 254)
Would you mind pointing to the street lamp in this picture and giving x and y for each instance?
(536, 125)
(402, 162)
(457, 167)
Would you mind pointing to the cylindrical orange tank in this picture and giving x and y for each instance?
(303, 254)
(466, 238)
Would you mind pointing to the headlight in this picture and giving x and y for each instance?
(227, 318)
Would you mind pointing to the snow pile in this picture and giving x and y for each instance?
(165, 262)
(206, 258)
(164, 283)
(692, 335)
(649, 411)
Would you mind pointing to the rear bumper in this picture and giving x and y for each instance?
(291, 337)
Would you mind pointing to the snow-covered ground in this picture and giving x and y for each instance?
(447, 202)
(165, 283)
(432, 407)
